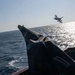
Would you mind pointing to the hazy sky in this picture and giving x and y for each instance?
(32, 13)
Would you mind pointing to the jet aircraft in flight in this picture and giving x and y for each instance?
(58, 19)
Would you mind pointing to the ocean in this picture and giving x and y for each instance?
(13, 54)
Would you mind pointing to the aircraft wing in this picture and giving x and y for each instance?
(55, 16)
(60, 21)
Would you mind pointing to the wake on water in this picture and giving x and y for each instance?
(13, 54)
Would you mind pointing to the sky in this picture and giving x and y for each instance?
(34, 13)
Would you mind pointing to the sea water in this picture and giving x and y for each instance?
(13, 54)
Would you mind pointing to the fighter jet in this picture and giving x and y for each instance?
(58, 19)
